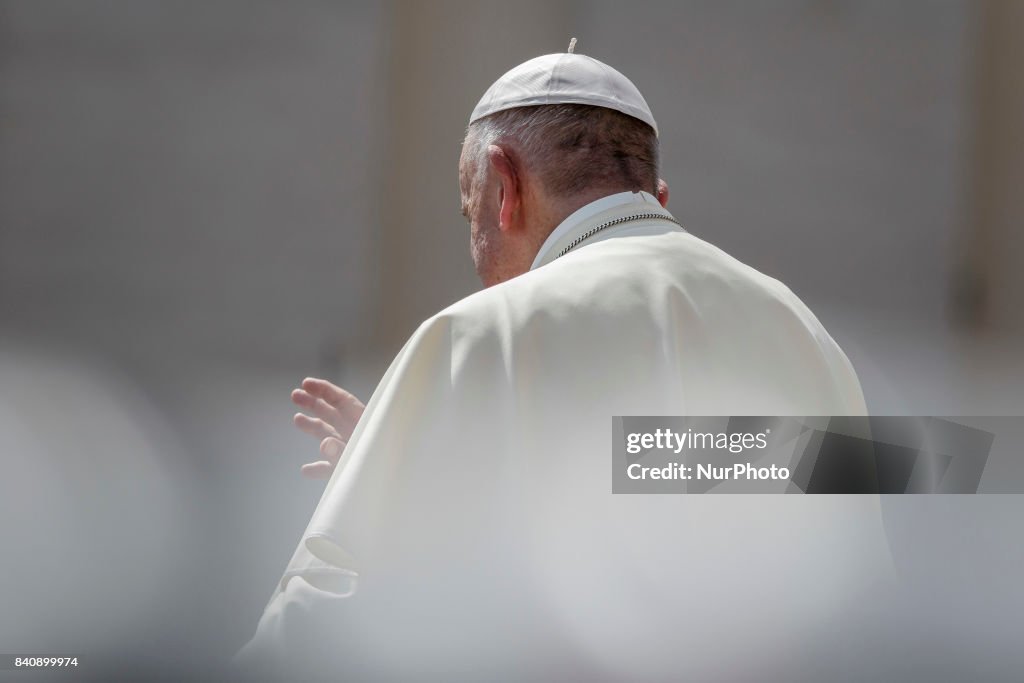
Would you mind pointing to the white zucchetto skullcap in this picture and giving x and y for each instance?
(564, 78)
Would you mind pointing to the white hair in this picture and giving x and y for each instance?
(572, 147)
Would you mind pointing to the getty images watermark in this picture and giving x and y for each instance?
(664, 439)
(816, 454)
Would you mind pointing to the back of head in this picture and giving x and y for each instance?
(574, 148)
(577, 124)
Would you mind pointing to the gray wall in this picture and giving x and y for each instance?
(190, 176)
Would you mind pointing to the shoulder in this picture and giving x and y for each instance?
(646, 283)
(615, 276)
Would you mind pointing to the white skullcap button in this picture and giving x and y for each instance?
(564, 78)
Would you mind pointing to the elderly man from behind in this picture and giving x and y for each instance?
(468, 527)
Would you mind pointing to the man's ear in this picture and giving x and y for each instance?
(663, 193)
(511, 189)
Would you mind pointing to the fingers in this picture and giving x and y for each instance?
(314, 426)
(334, 414)
(346, 406)
(321, 409)
(331, 449)
(318, 470)
(333, 394)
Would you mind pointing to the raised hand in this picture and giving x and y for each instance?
(333, 414)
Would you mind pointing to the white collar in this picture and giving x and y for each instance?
(547, 252)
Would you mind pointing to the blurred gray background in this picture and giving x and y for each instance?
(201, 203)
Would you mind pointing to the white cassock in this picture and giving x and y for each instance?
(471, 532)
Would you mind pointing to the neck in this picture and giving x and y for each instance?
(550, 214)
(519, 256)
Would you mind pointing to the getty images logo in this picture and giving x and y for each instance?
(666, 439)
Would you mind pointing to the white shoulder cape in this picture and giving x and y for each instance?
(471, 526)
